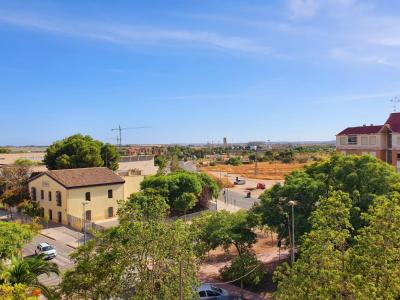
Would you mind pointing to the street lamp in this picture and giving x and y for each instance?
(292, 204)
(84, 203)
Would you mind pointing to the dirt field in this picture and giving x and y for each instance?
(265, 170)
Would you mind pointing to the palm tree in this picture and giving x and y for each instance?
(27, 270)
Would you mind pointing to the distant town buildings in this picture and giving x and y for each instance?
(147, 150)
(225, 142)
(381, 141)
(137, 165)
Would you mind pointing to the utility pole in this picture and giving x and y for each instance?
(84, 203)
(292, 204)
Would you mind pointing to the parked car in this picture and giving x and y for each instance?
(239, 181)
(211, 292)
(261, 186)
(47, 250)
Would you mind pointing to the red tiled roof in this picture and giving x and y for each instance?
(74, 178)
(394, 122)
(361, 130)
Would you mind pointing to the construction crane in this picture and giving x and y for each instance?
(120, 129)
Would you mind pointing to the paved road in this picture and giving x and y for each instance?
(237, 199)
(62, 259)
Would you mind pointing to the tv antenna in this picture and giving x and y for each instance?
(395, 100)
(120, 129)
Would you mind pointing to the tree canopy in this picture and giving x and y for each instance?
(13, 236)
(333, 265)
(362, 177)
(79, 151)
(146, 256)
(224, 229)
(182, 190)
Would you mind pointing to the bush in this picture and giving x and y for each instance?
(242, 265)
(234, 161)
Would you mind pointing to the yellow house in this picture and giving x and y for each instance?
(71, 195)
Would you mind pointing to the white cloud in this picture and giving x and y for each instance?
(130, 34)
(303, 8)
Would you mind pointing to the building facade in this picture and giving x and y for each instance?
(72, 195)
(381, 141)
(137, 165)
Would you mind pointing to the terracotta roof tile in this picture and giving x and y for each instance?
(394, 122)
(361, 130)
(73, 178)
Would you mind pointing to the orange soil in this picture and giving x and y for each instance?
(265, 170)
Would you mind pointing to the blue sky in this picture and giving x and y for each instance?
(195, 71)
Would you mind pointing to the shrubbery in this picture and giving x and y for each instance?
(234, 161)
(240, 266)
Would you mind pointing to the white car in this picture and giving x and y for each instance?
(47, 250)
(209, 291)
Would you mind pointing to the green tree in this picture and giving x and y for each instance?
(224, 229)
(23, 162)
(78, 151)
(4, 150)
(286, 156)
(110, 156)
(375, 258)
(234, 161)
(175, 164)
(13, 236)
(362, 177)
(161, 162)
(31, 209)
(147, 257)
(320, 271)
(247, 267)
(182, 190)
(27, 270)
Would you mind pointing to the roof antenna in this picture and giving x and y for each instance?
(395, 100)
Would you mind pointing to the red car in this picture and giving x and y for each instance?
(261, 186)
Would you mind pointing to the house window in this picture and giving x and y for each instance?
(364, 140)
(352, 140)
(50, 214)
(58, 198)
(389, 156)
(33, 194)
(342, 140)
(372, 140)
(110, 193)
(59, 217)
(49, 195)
(88, 215)
(41, 194)
(111, 212)
(87, 196)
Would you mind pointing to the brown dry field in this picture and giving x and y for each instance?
(266, 170)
